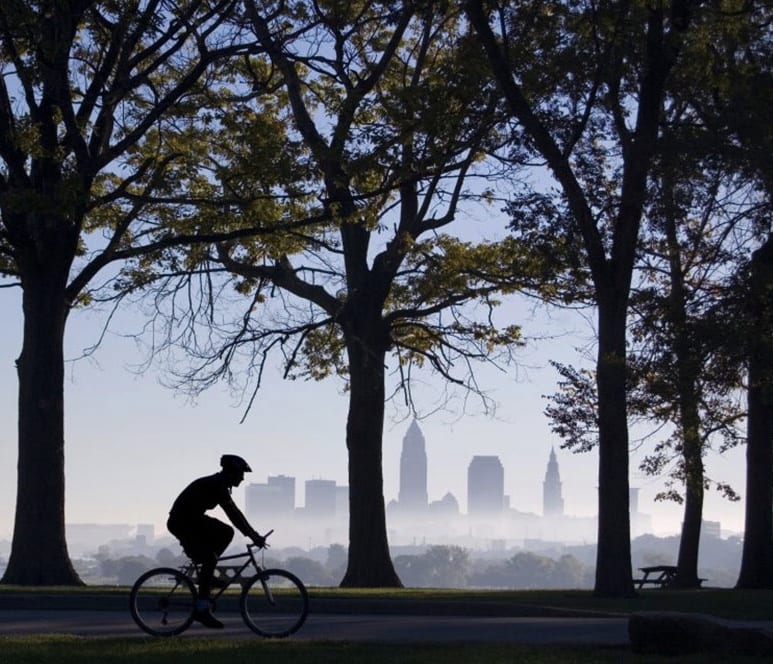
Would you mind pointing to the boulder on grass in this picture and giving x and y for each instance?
(665, 633)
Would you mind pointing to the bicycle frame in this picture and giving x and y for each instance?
(192, 570)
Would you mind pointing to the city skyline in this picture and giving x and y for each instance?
(277, 501)
(486, 497)
(490, 521)
(277, 496)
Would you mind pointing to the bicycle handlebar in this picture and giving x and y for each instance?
(265, 544)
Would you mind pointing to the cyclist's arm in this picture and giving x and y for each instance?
(240, 521)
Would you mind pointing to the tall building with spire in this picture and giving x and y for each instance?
(413, 471)
(552, 501)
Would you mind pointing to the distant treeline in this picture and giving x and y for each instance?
(452, 567)
(443, 566)
(437, 567)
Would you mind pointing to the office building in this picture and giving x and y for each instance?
(275, 498)
(485, 486)
(342, 501)
(446, 507)
(320, 498)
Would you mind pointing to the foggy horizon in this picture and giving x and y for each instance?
(432, 520)
(132, 444)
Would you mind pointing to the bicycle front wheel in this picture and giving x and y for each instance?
(162, 602)
(274, 603)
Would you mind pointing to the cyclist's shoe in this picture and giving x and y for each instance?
(205, 617)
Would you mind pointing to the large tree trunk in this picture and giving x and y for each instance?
(369, 564)
(689, 542)
(687, 369)
(692, 454)
(757, 559)
(613, 553)
(39, 550)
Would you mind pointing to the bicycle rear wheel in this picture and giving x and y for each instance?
(162, 602)
(274, 603)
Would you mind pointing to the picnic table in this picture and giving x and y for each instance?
(656, 575)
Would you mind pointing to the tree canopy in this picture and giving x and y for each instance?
(392, 126)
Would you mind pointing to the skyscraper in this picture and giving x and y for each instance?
(485, 486)
(320, 498)
(413, 471)
(275, 498)
(552, 501)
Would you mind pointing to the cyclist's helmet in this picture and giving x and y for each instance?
(233, 462)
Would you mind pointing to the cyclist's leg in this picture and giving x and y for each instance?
(206, 561)
(206, 572)
(212, 541)
(220, 534)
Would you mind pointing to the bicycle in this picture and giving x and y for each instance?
(273, 602)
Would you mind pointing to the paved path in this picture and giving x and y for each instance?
(337, 627)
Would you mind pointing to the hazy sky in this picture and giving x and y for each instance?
(131, 444)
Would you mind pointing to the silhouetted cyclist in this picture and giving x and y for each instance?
(203, 537)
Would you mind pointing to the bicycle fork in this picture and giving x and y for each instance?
(267, 591)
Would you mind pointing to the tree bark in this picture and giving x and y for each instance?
(39, 550)
(687, 363)
(757, 558)
(692, 454)
(613, 553)
(369, 564)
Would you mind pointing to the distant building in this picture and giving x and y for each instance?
(485, 486)
(85, 537)
(97, 532)
(711, 529)
(552, 500)
(640, 523)
(342, 500)
(320, 498)
(146, 533)
(275, 498)
(447, 506)
(413, 471)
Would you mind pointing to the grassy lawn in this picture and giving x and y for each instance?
(75, 650)
(720, 602)
(60, 649)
